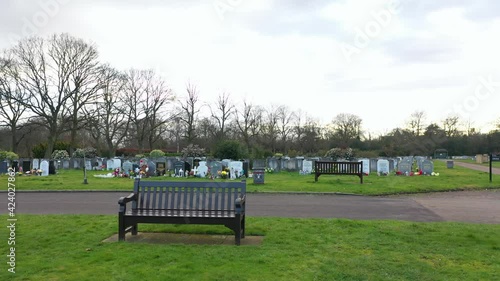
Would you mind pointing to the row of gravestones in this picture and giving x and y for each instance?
(47, 167)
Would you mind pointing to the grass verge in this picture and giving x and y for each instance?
(69, 247)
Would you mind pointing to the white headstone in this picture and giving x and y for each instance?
(236, 168)
(88, 164)
(36, 164)
(202, 170)
(383, 167)
(307, 166)
(366, 165)
(44, 166)
(110, 165)
(117, 163)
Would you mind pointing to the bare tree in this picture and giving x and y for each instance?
(11, 110)
(450, 126)
(346, 128)
(111, 119)
(222, 113)
(54, 73)
(270, 128)
(146, 98)
(416, 123)
(189, 112)
(285, 118)
(247, 122)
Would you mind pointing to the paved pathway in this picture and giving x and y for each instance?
(473, 206)
(477, 167)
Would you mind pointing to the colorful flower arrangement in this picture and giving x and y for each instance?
(269, 170)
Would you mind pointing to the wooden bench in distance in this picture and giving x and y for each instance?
(338, 168)
(184, 203)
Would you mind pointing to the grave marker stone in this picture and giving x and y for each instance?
(427, 167)
(236, 169)
(307, 167)
(404, 167)
(366, 165)
(202, 170)
(44, 166)
(66, 164)
(4, 167)
(179, 168)
(215, 168)
(26, 166)
(76, 163)
(373, 165)
(128, 167)
(259, 163)
(383, 167)
(160, 168)
(151, 168)
(52, 167)
(273, 164)
(110, 164)
(36, 164)
(88, 165)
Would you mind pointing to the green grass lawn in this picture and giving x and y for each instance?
(457, 178)
(69, 247)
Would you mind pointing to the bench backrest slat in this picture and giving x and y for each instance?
(192, 196)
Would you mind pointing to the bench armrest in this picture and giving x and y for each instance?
(239, 204)
(124, 200)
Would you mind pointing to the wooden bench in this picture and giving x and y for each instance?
(338, 168)
(184, 203)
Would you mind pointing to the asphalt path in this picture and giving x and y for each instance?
(474, 206)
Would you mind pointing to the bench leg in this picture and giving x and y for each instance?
(134, 229)
(121, 228)
(243, 227)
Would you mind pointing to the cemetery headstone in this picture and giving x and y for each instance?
(291, 164)
(4, 167)
(236, 168)
(128, 167)
(44, 166)
(427, 167)
(273, 164)
(366, 165)
(392, 164)
(36, 164)
(52, 167)
(66, 164)
(259, 163)
(373, 165)
(307, 167)
(160, 168)
(26, 166)
(76, 163)
(110, 164)
(246, 166)
(202, 170)
(178, 166)
(215, 168)
(151, 168)
(383, 167)
(404, 167)
(88, 164)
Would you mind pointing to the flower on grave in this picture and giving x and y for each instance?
(223, 174)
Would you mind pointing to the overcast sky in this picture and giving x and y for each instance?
(379, 59)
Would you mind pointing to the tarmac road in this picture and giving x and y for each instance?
(469, 206)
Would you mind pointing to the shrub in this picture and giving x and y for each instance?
(8, 155)
(60, 154)
(193, 150)
(229, 150)
(156, 153)
(88, 152)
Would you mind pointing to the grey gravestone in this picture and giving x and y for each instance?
(404, 167)
(291, 164)
(170, 163)
(373, 165)
(76, 163)
(246, 166)
(44, 166)
(366, 165)
(4, 167)
(66, 164)
(151, 168)
(215, 168)
(391, 165)
(383, 167)
(128, 167)
(259, 163)
(36, 164)
(427, 167)
(307, 167)
(273, 164)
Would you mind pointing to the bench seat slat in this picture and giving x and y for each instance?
(181, 213)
